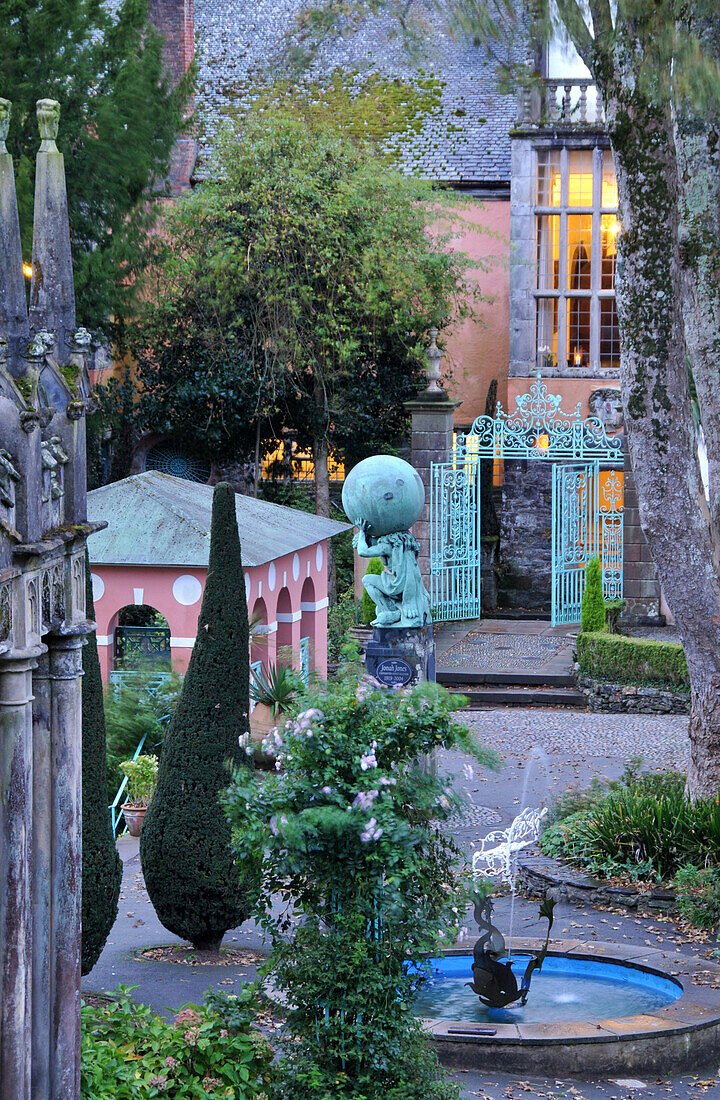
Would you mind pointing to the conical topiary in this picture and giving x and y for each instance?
(190, 873)
(101, 864)
(592, 611)
(369, 610)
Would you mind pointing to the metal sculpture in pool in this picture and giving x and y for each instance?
(494, 981)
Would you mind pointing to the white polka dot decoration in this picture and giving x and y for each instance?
(187, 590)
(272, 576)
(296, 566)
(319, 557)
(98, 586)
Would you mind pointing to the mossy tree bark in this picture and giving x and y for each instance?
(196, 886)
(101, 864)
(656, 331)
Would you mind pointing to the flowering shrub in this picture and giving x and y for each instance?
(129, 1053)
(350, 839)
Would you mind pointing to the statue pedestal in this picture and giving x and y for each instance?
(400, 656)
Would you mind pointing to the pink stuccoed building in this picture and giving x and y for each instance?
(154, 552)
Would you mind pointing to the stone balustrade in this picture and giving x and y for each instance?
(565, 102)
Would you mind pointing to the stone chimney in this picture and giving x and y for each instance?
(175, 20)
(13, 302)
(52, 291)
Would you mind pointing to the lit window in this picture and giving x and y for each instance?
(576, 249)
(297, 464)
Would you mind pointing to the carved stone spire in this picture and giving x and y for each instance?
(52, 290)
(13, 302)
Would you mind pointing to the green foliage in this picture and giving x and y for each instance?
(275, 687)
(129, 1053)
(194, 882)
(141, 779)
(640, 826)
(347, 833)
(345, 613)
(698, 893)
(296, 290)
(624, 660)
(102, 866)
(369, 611)
(119, 120)
(142, 704)
(592, 611)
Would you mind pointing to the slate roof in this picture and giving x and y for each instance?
(464, 139)
(157, 519)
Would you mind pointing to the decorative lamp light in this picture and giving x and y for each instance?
(432, 371)
(542, 443)
(27, 270)
(578, 358)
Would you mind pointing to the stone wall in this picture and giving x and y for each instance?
(606, 698)
(525, 535)
(641, 587)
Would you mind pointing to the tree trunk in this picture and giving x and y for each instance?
(697, 142)
(322, 504)
(656, 397)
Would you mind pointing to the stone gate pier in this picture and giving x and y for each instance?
(44, 390)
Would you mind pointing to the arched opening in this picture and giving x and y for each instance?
(307, 626)
(258, 633)
(284, 629)
(142, 637)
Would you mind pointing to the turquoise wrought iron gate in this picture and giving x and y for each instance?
(587, 502)
(574, 536)
(455, 540)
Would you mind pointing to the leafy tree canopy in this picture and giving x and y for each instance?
(296, 290)
(118, 125)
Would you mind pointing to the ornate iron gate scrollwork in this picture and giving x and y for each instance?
(587, 502)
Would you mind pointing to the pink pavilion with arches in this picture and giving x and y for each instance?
(154, 553)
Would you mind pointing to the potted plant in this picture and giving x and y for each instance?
(141, 780)
(272, 690)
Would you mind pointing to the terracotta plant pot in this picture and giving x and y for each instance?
(261, 723)
(134, 817)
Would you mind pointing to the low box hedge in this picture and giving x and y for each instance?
(621, 659)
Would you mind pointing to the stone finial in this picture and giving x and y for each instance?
(48, 116)
(434, 357)
(5, 111)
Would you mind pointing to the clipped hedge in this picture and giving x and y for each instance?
(624, 660)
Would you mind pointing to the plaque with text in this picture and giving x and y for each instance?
(393, 672)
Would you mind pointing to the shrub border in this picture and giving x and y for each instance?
(637, 661)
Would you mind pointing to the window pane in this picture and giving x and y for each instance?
(580, 181)
(547, 332)
(608, 235)
(548, 252)
(578, 345)
(609, 334)
(579, 238)
(609, 195)
(548, 181)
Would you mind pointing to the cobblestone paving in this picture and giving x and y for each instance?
(484, 652)
(659, 739)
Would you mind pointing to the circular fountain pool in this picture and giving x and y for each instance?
(566, 989)
(592, 1011)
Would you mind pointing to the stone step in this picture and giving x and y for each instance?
(522, 697)
(517, 679)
